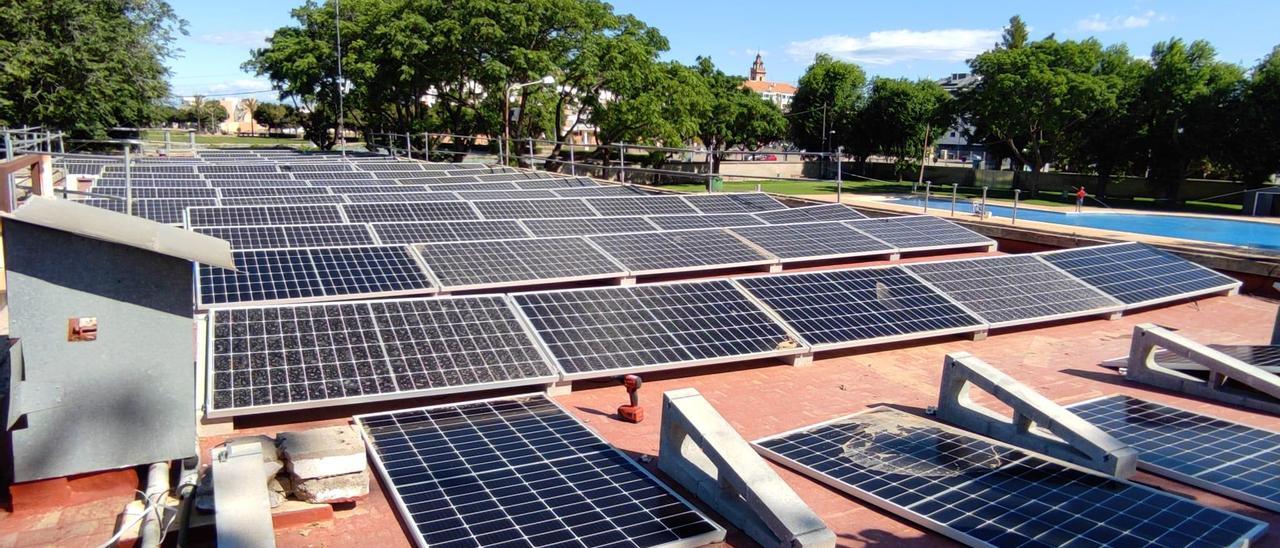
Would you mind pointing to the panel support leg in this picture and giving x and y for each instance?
(560, 388)
(775, 267)
(627, 281)
(979, 335)
(799, 360)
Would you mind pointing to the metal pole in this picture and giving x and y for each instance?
(191, 136)
(953, 199)
(128, 179)
(927, 187)
(408, 145)
(839, 175)
(984, 202)
(529, 140)
(426, 147)
(573, 166)
(622, 165)
(10, 191)
(1017, 193)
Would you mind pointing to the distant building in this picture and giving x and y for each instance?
(778, 93)
(954, 145)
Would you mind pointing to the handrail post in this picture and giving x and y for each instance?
(839, 175)
(953, 199)
(128, 179)
(622, 165)
(167, 139)
(928, 185)
(1017, 193)
(984, 201)
(9, 190)
(529, 141)
(191, 136)
(573, 165)
(408, 145)
(426, 146)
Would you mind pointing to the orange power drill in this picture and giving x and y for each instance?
(632, 412)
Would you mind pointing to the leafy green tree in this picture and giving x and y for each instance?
(1030, 98)
(1111, 141)
(829, 96)
(271, 115)
(1184, 99)
(902, 119)
(205, 114)
(662, 106)
(84, 66)
(737, 117)
(1254, 140)
(1015, 35)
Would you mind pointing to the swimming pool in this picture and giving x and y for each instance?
(1223, 231)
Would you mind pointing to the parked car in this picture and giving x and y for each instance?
(762, 157)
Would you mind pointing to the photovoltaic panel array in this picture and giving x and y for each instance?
(312, 274)
(921, 232)
(751, 202)
(808, 214)
(297, 356)
(641, 205)
(1221, 456)
(473, 265)
(983, 493)
(477, 195)
(587, 226)
(402, 197)
(1265, 357)
(280, 237)
(841, 308)
(608, 331)
(597, 191)
(1138, 274)
(264, 215)
(534, 209)
(813, 241)
(448, 231)
(675, 251)
(282, 200)
(410, 211)
(1014, 289)
(687, 222)
(522, 471)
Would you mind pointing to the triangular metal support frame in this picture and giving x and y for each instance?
(1263, 387)
(1038, 424)
(700, 450)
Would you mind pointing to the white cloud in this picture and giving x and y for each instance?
(887, 47)
(238, 88)
(247, 38)
(1097, 23)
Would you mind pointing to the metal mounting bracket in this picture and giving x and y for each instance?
(1038, 424)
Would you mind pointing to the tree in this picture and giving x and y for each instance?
(829, 96)
(249, 105)
(1184, 98)
(661, 106)
(206, 115)
(902, 119)
(736, 117)
(1029, 99)
(1254, 140)
(84, 66)
(1111, 140)
(1015, 35)
(271, 115)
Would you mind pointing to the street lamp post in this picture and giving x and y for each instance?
(506, 113)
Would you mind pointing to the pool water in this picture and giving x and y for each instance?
(1206, 229)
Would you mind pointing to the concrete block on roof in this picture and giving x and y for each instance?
(702, 452)
(343, 488)
(323, 452)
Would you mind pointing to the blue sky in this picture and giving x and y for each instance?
(912, 39)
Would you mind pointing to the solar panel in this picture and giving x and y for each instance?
(676, 251)
(609, 331)
(320, 167)
(984, 493)
(108, 204)
(328, 235)
(843, 308)
(921, 233)
(750, 202)
(249, 179)
(403, 197)
(389, 166)
(1266, 357)
(555, 183)
(151, 183)
(397, 175)
(683, 222)
(311, 179)
(436, 187)
(1217, 455)
(236, 168)
(388, 192)
(283, 200)
(499, 177)
(167, 210)
(1014, 289)
(813, 241)
(241, 192)
(300, 356)
(587, 226)
(534, 209)
(476, 195)
(169, 169)
(158, 192)
(641, 205)
(593, 191)
(809, 214)
(447, 180)
(522, 471)
(250, 237)
(229, 183)
(448, 231)
(499, 263)
(264, 215)
(298, 275)
(410, 211)
(1138, 274)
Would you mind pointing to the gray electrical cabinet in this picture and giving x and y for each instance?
(103, 375)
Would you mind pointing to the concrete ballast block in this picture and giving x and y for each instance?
(323, 452)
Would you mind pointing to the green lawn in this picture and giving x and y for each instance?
(799, 188)
(180, 139)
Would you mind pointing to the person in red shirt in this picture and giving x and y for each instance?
(1080, 196)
